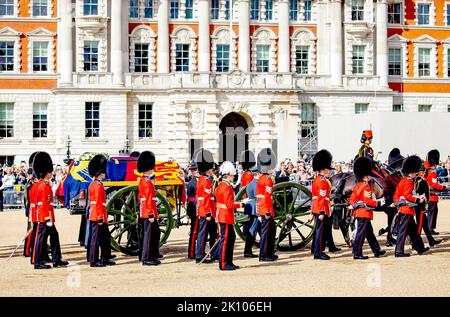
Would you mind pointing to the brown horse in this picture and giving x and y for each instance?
(342, 187)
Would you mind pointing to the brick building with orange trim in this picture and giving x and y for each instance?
(168, 75)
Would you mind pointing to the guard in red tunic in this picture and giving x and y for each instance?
(43, 167)
(98, 216)
(206, 209)
(148, 210)
(406, 199)
(30, 208)
(266, 163)
(225, 216)
(362, 201)
(321, 190)
(431, 176)
(247, 162)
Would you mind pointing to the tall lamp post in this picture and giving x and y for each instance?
(68, 160)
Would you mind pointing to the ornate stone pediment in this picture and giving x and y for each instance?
(92, 24)
(7, 31)
(236, 78)
(360, 30)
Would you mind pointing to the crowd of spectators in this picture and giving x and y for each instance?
(14, 178)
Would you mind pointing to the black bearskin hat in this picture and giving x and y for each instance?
(366, 135)
(322, 160)
(135, 154)
(247, 160)
(42, 164)
(412, 164)
(362, 167)
(433, 157)
(266, 160)
(97, 165)
(30, 160)
(204, 160)
(394, 156)
(146, 161)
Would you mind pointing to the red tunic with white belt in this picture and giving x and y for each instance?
(264, 203)
(147, 198)
(205, 198)
(97, 202)
(404, 191)
(44, 202)
(363, 192)
(225, 203)
(432, 180)
(321, 191)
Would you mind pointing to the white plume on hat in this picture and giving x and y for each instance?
(227, 168)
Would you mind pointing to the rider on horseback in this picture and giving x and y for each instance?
(366, 151)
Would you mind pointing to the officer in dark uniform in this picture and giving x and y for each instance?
(252, 227)
(191, 208)
(366, 151)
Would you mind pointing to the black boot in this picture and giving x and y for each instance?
(435, 242)
(60, 263)
(41, 266)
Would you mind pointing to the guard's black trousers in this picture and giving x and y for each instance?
(99, 238)
(42, 232)
(423, 223)
(432, 214)
(408, 227)
(365, 231)
(319, 236)
(226, 245)
(150, 245)
(251, 227)
(268, 234)
(207, 231)
(192, 214)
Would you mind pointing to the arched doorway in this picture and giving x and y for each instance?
(233, 137)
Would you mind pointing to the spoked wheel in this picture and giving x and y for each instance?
(294, 221)
(124, 225)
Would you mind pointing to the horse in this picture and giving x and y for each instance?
(342, 187)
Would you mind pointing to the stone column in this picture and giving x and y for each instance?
(204, 56)
(163, 37)
(244, 36)
(116, 42)
(323, 39)
(284, 59)
(65, 39)
(382, 48)
(336, 44)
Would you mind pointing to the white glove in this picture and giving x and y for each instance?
(260, 219)
(49, 224)
(382, 201)
(245, 200)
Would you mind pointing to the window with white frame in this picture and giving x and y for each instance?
(357, 10)
(182, 57)
(40, 8)
(7, 7)
(148, 9)
(90, 56)
(90, 7)
(40, 120)
(262, 58)
(141, 57)
(92, 119)
(134, 8)
(227, 9)
(395, 13)
(301, 59)
(293, 10)
(174, 9)
(7, 56)
(215, 9)
(423, 13)
(254, 9)
(424, 108)
(358, 59)
(398, 108)
(223, 58)
(307, 13)
(361, 108)
(424, 62)
(395, 61)
(448, 62)
(145, 120)
(447, 10)
(269, 10)
(6, 120)
(40, 57)
(189, 9)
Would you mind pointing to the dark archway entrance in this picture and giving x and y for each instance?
(233, 137)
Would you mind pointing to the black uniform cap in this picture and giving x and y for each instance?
(42, 164)
(362, 167)
(433, 157)
(97, 165)
(146, 161)
(322, 160)
(204, 160)
(412, 164)
(266, 160)
(247, 160)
